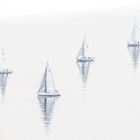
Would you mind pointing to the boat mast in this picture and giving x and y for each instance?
(46, 78)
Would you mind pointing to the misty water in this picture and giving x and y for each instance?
(99, 101)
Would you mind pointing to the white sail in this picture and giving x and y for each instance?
(2, 60)
(43, 83)
(47, 83)
(50, 81)
(83, 54)
(3, 65)
(135, 36)
(86, 53)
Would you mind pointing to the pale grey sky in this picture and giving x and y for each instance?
(39, 7)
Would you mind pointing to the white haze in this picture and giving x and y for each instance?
(12, 8)
(107, 107)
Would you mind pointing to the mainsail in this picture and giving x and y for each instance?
(134, 37)
(3, 66)
(83, 51)
(47, 83)
(2, 60)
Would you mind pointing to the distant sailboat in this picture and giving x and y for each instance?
(134, 38)
(83, 55)
(47, 87)
(3, 68)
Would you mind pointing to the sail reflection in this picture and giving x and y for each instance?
(84, 70)
(46, 104)
(3, 83)
(134, 52)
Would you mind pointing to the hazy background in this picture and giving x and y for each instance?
(34, 32)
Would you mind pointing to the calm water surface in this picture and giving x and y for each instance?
(100, 100)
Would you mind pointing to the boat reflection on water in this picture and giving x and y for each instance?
(84, 70)
(4, 71)
(3, 83)
(134, 52)
(46, 104)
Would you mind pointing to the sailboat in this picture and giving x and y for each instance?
(47, 86)
(3, 68)
(83, 55)
(134, 40)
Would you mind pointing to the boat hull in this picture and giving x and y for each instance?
(52, 94)
(133, 44)
(85, 59)
(5, 72)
